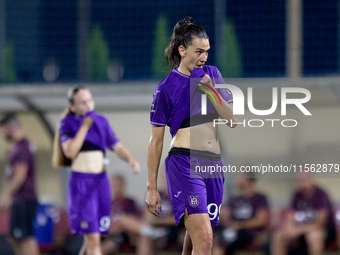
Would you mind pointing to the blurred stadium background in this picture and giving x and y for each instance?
(116, 48)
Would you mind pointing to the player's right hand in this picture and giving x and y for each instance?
(88, 121)
(205, 81)
(153, 202)
(89, 117)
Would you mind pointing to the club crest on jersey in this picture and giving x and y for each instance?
(193, 200)
(152, 108)
(84, 224)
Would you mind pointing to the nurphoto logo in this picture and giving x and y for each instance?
(239, 105)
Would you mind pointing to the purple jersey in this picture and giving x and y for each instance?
(100, 133)
(173, 102)
(306, 208)
(123, 205)
(23, 152)
(245, 208)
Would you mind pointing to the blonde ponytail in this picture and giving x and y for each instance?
(58, 157)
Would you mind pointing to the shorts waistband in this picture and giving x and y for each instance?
(195, 153)
(88, 175)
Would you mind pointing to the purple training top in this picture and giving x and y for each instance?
(306, 208)
(100, 133)
(245, 208)
(172, 97)
(23, 152)
(123, 205)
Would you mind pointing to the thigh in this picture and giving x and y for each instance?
(214, 187)
(83, 206)
(185, 192)
(199, 228)
(104, 206)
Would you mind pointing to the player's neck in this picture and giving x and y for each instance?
(309, 192)
(18, 136)
(182, 69)
(249, 192)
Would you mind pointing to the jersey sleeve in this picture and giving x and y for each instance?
(65, 131)
(111, 138)
(132, 208)
(22, 155)
(262, 203)
(321, 201)
(294, 201)
(225, 93)
(160, 109)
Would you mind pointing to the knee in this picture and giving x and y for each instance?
(205, 240)
(280, 237)
(208, 237)
(315, 238)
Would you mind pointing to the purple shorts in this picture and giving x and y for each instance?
(89, 203)
(198, 192)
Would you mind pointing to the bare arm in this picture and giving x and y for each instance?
(72, 147)
(20, 174)
(154, 155)
(19, 177)
(123, 153)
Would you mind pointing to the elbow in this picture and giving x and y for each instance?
(155, 144)
(233, 121)
(70, 154)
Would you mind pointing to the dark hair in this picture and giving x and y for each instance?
(72, 92)
(182, 35)
(7, 118)
(251, 176)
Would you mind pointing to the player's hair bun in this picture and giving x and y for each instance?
(182, 34)
(182, 25)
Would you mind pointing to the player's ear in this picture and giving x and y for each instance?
(72, 108)
(181, 51)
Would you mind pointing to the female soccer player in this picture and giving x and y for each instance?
(84, 135)
(195, 198)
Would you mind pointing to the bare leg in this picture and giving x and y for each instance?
(92, 242)
(187, 245)
(279, 243)
(109, 247)
(27, 246)
(130, 224)
(145, 246)
(15, 244)
(82, 249)
(315, 242)
(199, 229)
(30, 246)
(217, 248)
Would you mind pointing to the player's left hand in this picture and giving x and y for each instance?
(135, 166)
